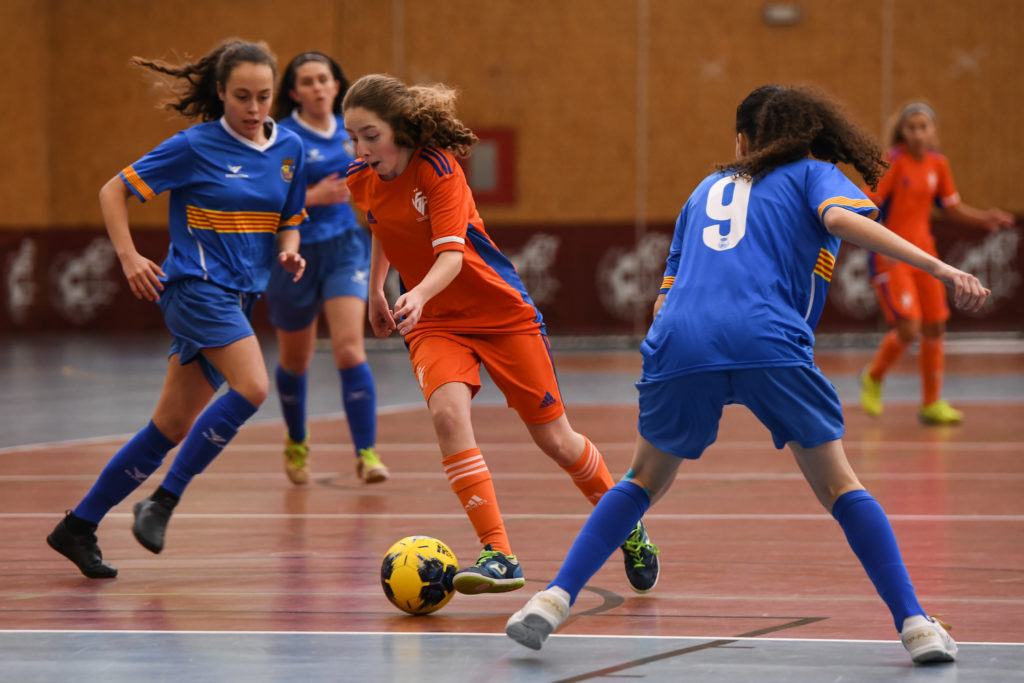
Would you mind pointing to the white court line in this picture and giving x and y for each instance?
(558, 476)
(433, 634)
(984, 519)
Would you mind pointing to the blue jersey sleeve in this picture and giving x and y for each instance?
(672, 262)
(827, 187)
(169, 165)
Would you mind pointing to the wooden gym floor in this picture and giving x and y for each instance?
(261, 580)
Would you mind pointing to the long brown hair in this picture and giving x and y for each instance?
(786, 124)
(193, 85)
(418, 115)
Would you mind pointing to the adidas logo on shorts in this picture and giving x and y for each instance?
(549, 400)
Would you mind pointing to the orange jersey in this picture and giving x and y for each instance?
(428, 209)
(908, 192)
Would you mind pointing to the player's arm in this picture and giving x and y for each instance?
(330, 189)
(381, 319)
(142, 274)
(969, 294)
(409, 306)
(990, 219)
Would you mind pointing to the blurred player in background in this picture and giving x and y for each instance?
(462, 305)
(337, 253)
(914, 302)
(237, 184)
(745, 283)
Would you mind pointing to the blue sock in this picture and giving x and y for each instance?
(291, 389)
(870, 536)
(607, 528)
(212, 431)
(359, 396)
(124, 473)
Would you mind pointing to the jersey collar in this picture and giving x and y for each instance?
(325, 134)
(271, 139)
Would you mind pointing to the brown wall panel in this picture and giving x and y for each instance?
(26, 66)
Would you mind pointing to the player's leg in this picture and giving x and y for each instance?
(346, 321)
(448, 372)
(185, 391)
(872, 540)
(678, 419)
(293, 309)
(935, 313)
(295, 353)
(612, 520)
(241, 365)
(895, 289)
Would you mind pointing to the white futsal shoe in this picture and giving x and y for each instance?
(927, 640)
(541, 615)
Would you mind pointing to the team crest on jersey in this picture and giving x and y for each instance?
(350, 148)
(287, 170)
(419, 202)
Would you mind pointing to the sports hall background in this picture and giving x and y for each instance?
(602, 115)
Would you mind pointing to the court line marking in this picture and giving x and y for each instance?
(464, 634)
(545, 516)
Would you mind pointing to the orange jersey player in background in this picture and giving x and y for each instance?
(462, 306)
(914, 303)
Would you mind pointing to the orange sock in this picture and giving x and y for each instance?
(889, 351)
(471, 481)
(933, 362)
(590, 474)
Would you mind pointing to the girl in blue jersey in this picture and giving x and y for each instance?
(237, 188)
(337, 253)
(746, 276)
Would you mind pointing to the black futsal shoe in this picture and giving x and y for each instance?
(641, 560)
(150, 526)
(82, 549)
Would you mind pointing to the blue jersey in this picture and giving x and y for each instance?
(229, 197)
(748, 271)
(326, 153)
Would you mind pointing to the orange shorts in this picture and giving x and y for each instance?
(907, 293)
(520, 365)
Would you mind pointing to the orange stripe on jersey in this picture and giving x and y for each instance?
(137, 183)
(295, 220)
(668, 281)
(232, 221)
(826, 262)
(844, 202)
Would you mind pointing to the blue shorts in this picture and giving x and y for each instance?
(203, 315)
(336, 267)
(681, 415)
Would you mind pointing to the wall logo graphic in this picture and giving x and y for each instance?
(81, 283)
(851, 291)
(534, 262)
(21, 285)
(630, 278)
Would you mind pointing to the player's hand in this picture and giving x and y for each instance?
(330, 189)
(292, 262)
(997, 219)
(408, 310)
(968, 292)
(143, 276)
(382, 320)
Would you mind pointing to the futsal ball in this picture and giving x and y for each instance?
(417, 573)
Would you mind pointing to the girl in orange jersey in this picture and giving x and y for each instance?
(462, 305)
(914, 302)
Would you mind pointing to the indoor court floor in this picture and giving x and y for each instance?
(265, 581)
